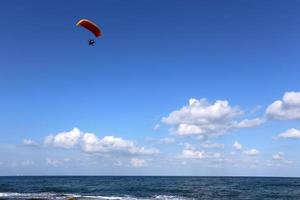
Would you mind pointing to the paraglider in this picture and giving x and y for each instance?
(92, 27)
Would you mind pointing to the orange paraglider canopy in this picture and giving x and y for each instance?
(91, 26)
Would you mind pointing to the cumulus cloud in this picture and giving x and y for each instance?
(278, 156)
(90, 143)
(200, 117)
(286, 109)
(237, 146)
(192, 154)
(189, 152)
(135, 162)
(29, 142)
(252, 152)
(249, 123)
(65, 140)
(290, 133)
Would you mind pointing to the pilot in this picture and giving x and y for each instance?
(91, 42)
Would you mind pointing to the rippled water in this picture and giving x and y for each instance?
(159, 188)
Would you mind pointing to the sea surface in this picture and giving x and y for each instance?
(148, 188)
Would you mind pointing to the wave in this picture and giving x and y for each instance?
(55, 196)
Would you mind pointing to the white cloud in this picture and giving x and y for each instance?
(286, 109)
(29, 142)
(156, 127)
(256, 109)
(135, 162)
(67, 159)
(57, 162)
(210, 145)
(167, 140)
(200, 117)
(214, 155)
(237, 146)
(90, 143)
(118, 163)
(192, 154)
(187, 145)
(288, 162)
(27, 163)
(249, 123)
(53, 162)
(290, 133)
(65, 140)
(189, 152)
(252, 152)
(278, 156)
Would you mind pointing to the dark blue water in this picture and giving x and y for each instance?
(101, 187)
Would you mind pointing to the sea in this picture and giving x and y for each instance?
(148, 188)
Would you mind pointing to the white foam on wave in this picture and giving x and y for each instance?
(158, 197)
(104, 197)
(169, 197)
(7, 194)
(55, 196)
(43, 195)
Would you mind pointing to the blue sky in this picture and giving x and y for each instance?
(155, 57)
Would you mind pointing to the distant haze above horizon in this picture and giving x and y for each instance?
(206, 88)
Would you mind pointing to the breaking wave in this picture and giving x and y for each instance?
(54, 196)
